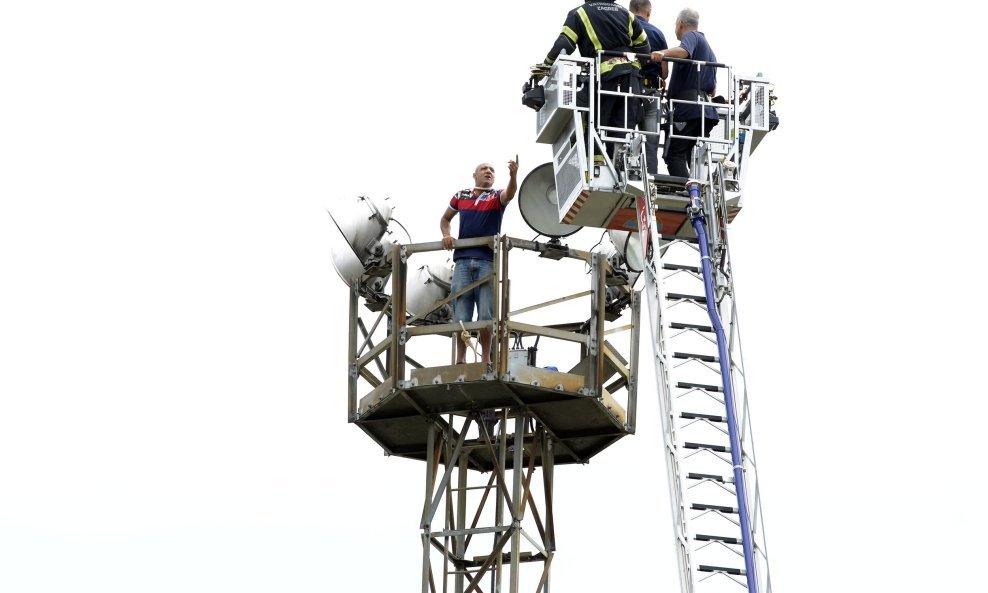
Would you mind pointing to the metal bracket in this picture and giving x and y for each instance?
(553, 250)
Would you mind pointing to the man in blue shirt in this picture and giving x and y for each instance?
(652, 77)
(481, 209)
(689, 85)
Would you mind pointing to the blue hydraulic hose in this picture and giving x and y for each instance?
(725, 371)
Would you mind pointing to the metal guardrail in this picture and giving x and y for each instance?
(381, 363)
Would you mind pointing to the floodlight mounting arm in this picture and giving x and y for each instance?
(375, 213)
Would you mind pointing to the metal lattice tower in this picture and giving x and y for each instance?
(492, 437)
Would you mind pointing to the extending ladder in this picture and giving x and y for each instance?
(706, 425)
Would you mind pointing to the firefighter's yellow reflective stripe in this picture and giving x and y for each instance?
(609, 65)
(590, 32)
(570, 33)
(641, 39)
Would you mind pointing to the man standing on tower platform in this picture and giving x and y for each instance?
(602, 25)
(652, 77)
(481, 209)
(688, 85)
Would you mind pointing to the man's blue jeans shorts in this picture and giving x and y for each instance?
(467, 271)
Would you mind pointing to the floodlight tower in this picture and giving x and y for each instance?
(682, 230)
(486, 433)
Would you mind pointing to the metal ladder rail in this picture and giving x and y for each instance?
(654, 293)
(746, 435)
(717, 219)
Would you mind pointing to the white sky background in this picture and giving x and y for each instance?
(173, 340)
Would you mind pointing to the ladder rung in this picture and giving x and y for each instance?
(703, 357)
(718, 448)
(717, 538)
(675, 296)
(685, 385)
(679, 182)
(693, 240)
(714, 477)
(694, 269)
(699, 506)
(697, 327)
(696, 416)
(708, 568)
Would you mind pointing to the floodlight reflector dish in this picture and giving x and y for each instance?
(363, 221)
(360, 225)
(628, 244)
(428, 285)
(345, 260)
(539, 205)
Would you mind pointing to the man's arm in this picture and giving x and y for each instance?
(676, 52)
(562, 42)
(509, 192)
(566, 40)
(448, 241)
(673, 52)
(687, 45)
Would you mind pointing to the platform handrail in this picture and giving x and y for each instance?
(391, 354)
(730, 119)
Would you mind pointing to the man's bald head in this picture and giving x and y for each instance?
(483, 176)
